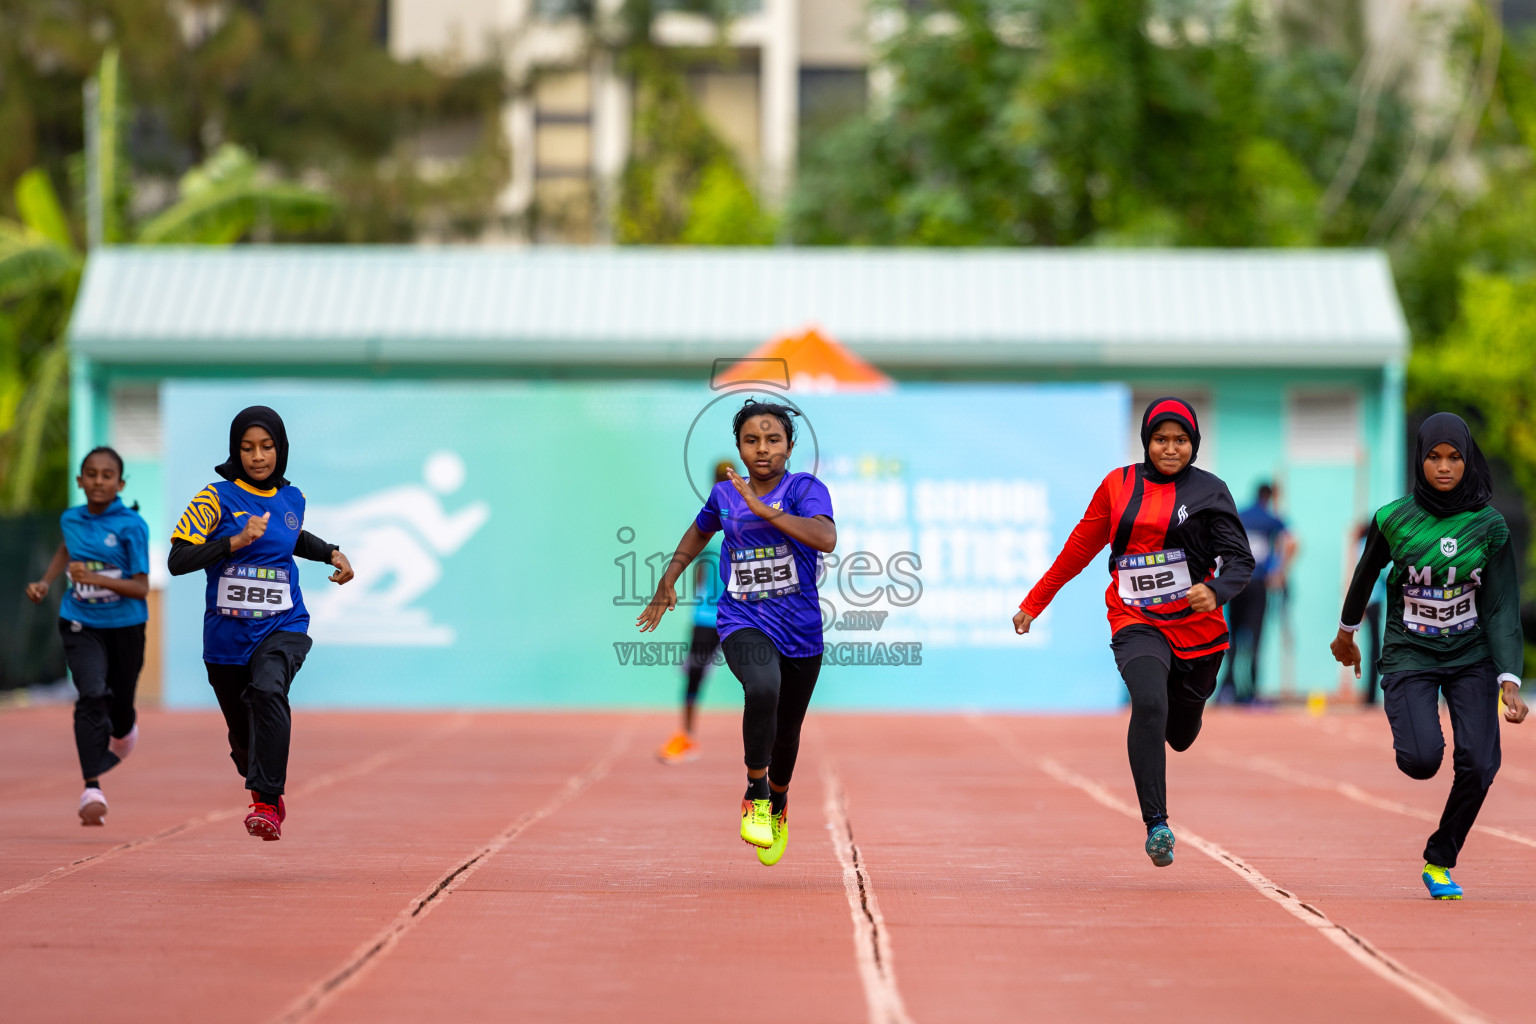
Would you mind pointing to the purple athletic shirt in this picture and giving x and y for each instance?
(769, 579)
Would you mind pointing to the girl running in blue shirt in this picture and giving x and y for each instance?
(243, 531)
(106, 555)
(777, 525)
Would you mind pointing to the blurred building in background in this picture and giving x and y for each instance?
(769, 73)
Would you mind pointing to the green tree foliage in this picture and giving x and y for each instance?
(222, 200)
(681, 183)
(304, 84)
(1068, 122)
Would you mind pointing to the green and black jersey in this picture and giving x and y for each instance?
(1452, 595)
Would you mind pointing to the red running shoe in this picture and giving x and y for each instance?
(265, 822)
(282, 811)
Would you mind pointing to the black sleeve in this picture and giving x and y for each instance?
(188, 557)
(313, 548)
(1501, 611)
(1230, 541)
(1373, 559)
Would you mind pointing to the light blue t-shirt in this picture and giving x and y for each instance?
(707, 611)
(114, 544)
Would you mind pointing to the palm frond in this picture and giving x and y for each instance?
(224, 212)
(26, 439)
(31, 262)
(40, 209)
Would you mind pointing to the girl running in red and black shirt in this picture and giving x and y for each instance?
(1170, 528)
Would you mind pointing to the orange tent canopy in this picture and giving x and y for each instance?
(814, 361)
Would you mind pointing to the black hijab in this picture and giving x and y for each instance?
(272, 423)
(1182, 413)
(1476, 484)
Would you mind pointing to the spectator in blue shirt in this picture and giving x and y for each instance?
(1273, 549)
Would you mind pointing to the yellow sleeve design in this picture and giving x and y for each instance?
(200, 518)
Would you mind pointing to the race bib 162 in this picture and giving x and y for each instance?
(1157, 577)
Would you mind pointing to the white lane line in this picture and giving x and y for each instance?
(1264, 766)
(871, 941)
(371, 951)
(366, 766)
(1390, 970)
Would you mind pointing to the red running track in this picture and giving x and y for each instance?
(536, 867)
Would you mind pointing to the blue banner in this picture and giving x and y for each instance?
(506, 536)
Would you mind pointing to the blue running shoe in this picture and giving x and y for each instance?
(1160, 845)
(1438, 881)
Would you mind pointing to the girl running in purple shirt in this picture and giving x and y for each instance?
(777, 525)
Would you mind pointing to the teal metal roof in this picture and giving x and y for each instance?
(925, 308)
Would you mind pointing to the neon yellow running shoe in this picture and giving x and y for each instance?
(757, 822)
(770, 856)
(1438, 881)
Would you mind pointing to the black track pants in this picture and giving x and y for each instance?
(701, 651)
(104, 664)
(778, 691)
(1412, 701)
(254, 699)
(1168, 698)
(1245, 620)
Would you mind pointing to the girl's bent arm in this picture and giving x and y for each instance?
(665, 599)
(1236, 557)
(188, 557)
(818, 532)
(1500, 599)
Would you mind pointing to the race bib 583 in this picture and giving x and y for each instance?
(760, 573)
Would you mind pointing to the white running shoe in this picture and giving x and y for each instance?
(123, 747)
(93, 806)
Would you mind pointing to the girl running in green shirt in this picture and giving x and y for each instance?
(1453, 627)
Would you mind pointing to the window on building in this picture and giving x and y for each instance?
(136, 421)
(562, 142)
(829, 99)
(731, 101)
(1322, 426)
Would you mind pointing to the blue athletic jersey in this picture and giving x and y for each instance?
(1264, 530)
(769, 578)
(707, 611)
(256, 589)
(115, 544)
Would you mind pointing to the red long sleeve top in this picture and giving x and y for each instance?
(1137, 515)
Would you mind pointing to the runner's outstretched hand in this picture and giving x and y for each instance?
(1346, 652)
(664, 601)
(37, 592)
(343, 573)
(1514, 705)
(1021, 621)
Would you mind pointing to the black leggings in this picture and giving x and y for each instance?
(104, 664)
(778, 691)
(1168, 698)
(700, 653)
(254, 699)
